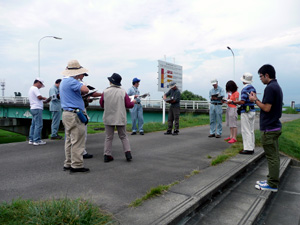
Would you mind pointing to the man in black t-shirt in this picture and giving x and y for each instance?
(270, 125)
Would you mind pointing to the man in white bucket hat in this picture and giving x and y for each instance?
(247, 115)
(215, 109)
(71, 90)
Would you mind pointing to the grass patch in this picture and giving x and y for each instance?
(289, 110)
(289, 142)
(63, 211)
(10, 137)
(156, 191)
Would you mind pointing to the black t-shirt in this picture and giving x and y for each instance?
(272, 95)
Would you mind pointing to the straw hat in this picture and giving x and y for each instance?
(74, 69)
(247, 78)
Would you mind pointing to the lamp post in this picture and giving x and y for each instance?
(233, 62)
(58, 38)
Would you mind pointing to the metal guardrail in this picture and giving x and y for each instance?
(147, 103)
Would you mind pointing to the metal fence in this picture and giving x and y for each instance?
(147, 103)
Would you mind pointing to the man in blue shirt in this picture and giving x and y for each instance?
(270, 125)
(71, 90)
(247, 115)
(137, 111)
(216, 94)
(55, 109)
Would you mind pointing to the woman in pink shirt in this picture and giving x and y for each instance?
(231, 111)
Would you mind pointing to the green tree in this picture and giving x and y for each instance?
(188, 95)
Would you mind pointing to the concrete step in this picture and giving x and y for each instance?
(182, 200)
(241, 203)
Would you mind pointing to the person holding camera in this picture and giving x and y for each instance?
(247, 115)
(71, 90)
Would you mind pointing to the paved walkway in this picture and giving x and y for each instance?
(35, 172)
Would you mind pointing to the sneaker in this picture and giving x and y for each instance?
(211, 135)
(128, 156)
(232, 141)
(30, 142)
(133, 133)
(82, 170)
(227, 139)
(265, 187)
(168, 132)
(141, 132)
(218, 136)
(39, 143)
(261, 182)
(108, 158)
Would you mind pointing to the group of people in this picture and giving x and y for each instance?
(270, 113)
(67, 95)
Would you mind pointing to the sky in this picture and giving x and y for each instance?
(130, 36)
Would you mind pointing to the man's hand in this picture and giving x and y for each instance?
(252, 96)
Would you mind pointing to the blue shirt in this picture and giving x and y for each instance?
(55, 102)
(134, 91)
(218, 91)
(245, 97)
(70, 94)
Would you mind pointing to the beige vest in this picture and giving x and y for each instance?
(114, 106)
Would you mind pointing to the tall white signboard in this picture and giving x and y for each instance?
(167, 73)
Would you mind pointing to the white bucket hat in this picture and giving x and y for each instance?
(74, 69)
(247, 78)
(214, 81)
(40, 80)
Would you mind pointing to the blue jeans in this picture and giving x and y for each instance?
(215, 116)
(36, 125)
(137, 114)
(55, 123)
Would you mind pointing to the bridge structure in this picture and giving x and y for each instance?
(15, 113)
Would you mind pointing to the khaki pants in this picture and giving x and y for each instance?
(74, 140)
(109, 136)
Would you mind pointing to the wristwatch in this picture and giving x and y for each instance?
(256, 100)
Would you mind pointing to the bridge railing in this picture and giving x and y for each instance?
(147, 103)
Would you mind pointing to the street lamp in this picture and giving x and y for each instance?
(58, 38)
(233, 62)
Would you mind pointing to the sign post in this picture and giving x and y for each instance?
(167, 73)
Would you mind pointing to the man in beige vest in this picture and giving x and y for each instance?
(115, 100)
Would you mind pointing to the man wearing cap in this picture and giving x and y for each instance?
(270, 125)
(137, 111)
(115, 100)
(36, 110)
(174, 110)
(55, 109)
(72, 103)
(216, 94)
(247, 115)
